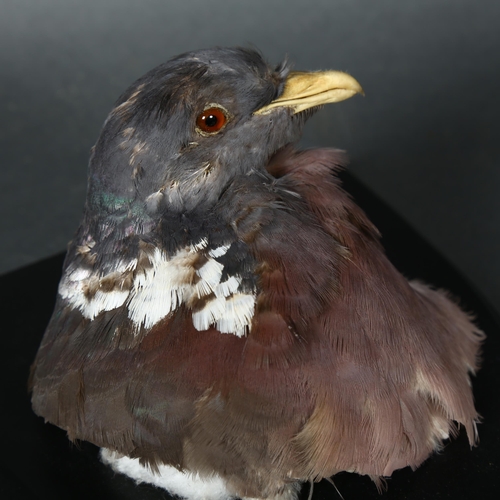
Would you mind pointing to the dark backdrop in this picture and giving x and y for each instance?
(425, 138)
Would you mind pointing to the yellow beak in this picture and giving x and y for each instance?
(305, 90)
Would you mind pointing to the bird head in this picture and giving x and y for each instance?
(179, 135)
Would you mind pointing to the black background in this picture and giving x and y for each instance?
(425, 138)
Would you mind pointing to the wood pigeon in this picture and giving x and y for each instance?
(227, 323)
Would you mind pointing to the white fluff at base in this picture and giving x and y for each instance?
(189, 486)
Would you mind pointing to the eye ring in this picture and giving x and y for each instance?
(212, 119)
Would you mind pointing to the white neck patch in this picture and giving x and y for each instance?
(153, 294)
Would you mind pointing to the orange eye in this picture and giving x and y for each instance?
(211, 120)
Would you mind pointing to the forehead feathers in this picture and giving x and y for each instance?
(237, 78)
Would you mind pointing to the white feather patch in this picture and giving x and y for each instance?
(169, 283)
(200, 245)
(207, 316)
(237, 315)
(73, 288)
(184, 485)
(227, 287)
(219, 252)
(160, 289)
(104, 301)
(211, 272)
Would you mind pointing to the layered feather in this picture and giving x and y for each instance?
(344, 364)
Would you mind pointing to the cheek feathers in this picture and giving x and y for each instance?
(162, 286)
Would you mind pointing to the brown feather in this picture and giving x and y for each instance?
(347, 366)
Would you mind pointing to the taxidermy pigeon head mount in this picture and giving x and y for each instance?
(227, 322)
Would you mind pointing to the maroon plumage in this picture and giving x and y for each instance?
(343, 365)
